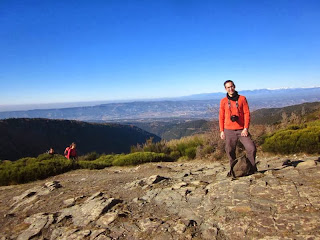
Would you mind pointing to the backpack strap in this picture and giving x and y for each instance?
(231, 168)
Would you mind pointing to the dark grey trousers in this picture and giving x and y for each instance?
(232, 137)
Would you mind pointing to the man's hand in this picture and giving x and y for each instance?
(244, 133)
(222, 135)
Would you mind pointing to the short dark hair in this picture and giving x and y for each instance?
(228, 82)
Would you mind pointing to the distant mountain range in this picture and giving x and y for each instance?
(31, 137)
(201, 106)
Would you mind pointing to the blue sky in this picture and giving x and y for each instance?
(74, 50)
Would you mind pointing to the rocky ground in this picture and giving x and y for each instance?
(181, 200)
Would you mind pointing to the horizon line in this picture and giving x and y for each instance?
(60, 105)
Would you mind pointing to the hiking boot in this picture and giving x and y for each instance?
(229, 174)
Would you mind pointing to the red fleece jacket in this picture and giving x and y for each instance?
(242, 111)
(72, 153)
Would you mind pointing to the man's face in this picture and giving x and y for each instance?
(230, 88)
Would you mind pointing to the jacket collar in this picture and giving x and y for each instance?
(235, 96)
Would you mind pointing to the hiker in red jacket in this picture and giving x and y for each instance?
(234, 121)
(72, 152)
(66, 151)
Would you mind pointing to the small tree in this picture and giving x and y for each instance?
(295, 119)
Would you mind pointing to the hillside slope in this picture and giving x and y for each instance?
(30, 137)
(274, 115)
(174, 129)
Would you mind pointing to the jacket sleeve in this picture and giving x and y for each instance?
(246, 113)
(221, 115)
(68, 154)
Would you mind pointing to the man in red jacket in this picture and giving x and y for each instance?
(234, 121)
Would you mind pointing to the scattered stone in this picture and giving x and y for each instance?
(145, 182)
(95, 195)
(90, 210)
(185, 173)
(96, 233)
(106, 219)
(199, 183)
(307, 164)
(79, 234)
(180, 228)
(149, 224)
(179, 185)
(69, 202)
(208, 231)
(52, 185)
(155, 179)
(102, 237)
(32, 195)
(117, 232)
(37, 223)
(66, 233)
(9, 215)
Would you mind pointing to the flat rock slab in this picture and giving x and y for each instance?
(190, 200)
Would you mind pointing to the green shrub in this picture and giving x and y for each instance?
(204, 151)
(140, 158)
(174, 148)
(314, 123)
(218, 155)
(309, 140)
(150, 146)
(191, 152)
(45, 156)
(294, 140)
(175, 155)
(90, 156)
(186, 143)
(102, 162)
(30, 169)
(93, 164)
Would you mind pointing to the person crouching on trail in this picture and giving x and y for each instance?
(234, 120)
(72, 152)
